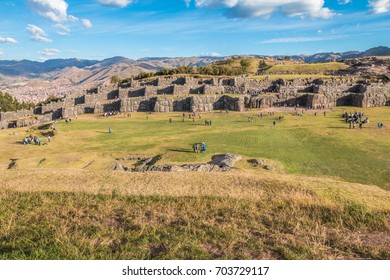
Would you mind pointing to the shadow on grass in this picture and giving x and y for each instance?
(199, 124)
(338, 127)
(181, 150)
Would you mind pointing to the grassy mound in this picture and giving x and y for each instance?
(105, 215)
(313, 68)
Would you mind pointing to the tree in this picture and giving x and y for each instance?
(49, 100)
(115, 80)
(245, 62)
(9, 103)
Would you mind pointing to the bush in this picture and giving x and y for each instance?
(9, 103)
(49, 100)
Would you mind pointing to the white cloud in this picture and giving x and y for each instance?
(215, 54)
(188, 2)
(379, 6)
(49, 52)
(55, 10)
(303, 39)
(63, 33)
(87, 23)
(63, 29)
(266, 8)
(344, 2)
(8, 40)
(37, 34)
(1, 53)
(73, 18)
(72, 51)
(115, 3)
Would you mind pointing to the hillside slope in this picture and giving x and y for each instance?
(243, 215)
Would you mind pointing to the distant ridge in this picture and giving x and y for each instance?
(34, 69)
(324, 57)
(378, 51)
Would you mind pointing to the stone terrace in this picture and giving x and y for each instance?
(199, 95)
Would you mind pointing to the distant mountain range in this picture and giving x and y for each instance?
(326, 57)
(34, 69)
(125, 67)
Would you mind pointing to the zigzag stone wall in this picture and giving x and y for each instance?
(200, 95)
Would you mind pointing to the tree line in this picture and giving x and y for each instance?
(234, 66)
(8, 103)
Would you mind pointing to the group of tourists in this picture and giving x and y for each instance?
(33, 140)
(110, 113)
(199, 147)
(356, 118)
(191, 116)
(207, 123)
(299, 113)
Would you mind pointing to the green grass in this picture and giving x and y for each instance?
(313, 146)
(61, 225)
(322, 201)
(313, 68)
(275, 76)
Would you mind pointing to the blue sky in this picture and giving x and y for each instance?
(97, 29)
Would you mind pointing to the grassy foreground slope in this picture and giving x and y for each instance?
(78, 214)
(320, 202)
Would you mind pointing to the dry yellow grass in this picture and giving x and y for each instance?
(240, 215)
(63, 207)
(239, 184)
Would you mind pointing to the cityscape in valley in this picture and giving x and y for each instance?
(194, 130)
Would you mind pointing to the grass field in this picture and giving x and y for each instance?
(313, 146)
(327, 197)
(294, 76)
(317, 68)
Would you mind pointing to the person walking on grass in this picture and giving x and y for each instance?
(203, 147)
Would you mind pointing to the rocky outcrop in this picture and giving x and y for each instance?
(257, 162)
(224, 160)
(218, 163)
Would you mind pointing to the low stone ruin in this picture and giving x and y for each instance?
(188, 94)
(218, 163)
